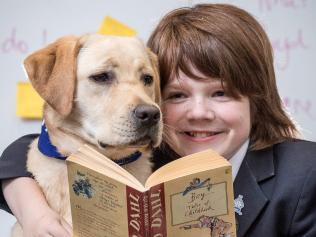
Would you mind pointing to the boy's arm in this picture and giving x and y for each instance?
(21, 193)
(13, 163)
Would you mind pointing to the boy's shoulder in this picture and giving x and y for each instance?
(297, 154)
(297, 147)
(289, 159)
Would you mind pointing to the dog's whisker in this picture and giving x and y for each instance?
(167, 126)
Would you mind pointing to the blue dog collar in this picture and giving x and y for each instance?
(128, 159)
(48, 149)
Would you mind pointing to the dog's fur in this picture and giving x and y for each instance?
(92, 86)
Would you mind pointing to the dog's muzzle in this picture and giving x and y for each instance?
(146, 115)
(145, 125)
(147, 120)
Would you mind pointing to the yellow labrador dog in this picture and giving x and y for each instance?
(98, 90)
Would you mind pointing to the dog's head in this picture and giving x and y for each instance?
(103, 89)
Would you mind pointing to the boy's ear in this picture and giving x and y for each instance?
(154, 62)
(52, 72)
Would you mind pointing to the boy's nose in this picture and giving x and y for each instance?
(200, 109)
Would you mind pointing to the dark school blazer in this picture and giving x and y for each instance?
(278, 185)
(13, 163)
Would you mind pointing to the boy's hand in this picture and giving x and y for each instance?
(29, 206)
(46, 223)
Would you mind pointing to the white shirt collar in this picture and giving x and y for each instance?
(237, 159)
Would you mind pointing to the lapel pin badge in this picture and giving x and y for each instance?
(239, 204)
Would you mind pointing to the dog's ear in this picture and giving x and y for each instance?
(154, 62)
(52, 72)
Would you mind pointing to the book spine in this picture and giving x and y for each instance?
(157, 213)
(146, 214)
(135, 212)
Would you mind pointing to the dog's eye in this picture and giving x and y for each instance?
(105, 77)
(147, 79)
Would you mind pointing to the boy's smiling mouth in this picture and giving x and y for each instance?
(201, 134)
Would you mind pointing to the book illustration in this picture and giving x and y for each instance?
(201, 198)
(82, 185)
(196, 183)
(217, 226)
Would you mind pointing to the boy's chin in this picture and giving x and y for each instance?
(188, 151)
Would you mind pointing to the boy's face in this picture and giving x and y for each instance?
(198, 115)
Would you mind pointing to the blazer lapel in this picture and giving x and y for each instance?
(256, 167)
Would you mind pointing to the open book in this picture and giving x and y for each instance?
(191, 196)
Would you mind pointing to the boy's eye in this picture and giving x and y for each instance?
(219, 93)
(175, 96)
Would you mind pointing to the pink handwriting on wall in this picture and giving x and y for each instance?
(268, 5)
(15, 44)
(299, 106)
(285, 46)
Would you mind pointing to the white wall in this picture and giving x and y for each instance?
(28, 25)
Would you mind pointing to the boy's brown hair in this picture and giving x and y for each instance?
(225, 42)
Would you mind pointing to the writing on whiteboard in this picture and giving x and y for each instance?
(13, 43)
(268, 5)
(284, 48)
(299, 106)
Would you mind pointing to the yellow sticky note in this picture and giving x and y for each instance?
(29, 104)
(110, 26)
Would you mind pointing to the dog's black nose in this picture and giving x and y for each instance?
(147, 115)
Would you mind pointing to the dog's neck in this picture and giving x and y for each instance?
(47, 148)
